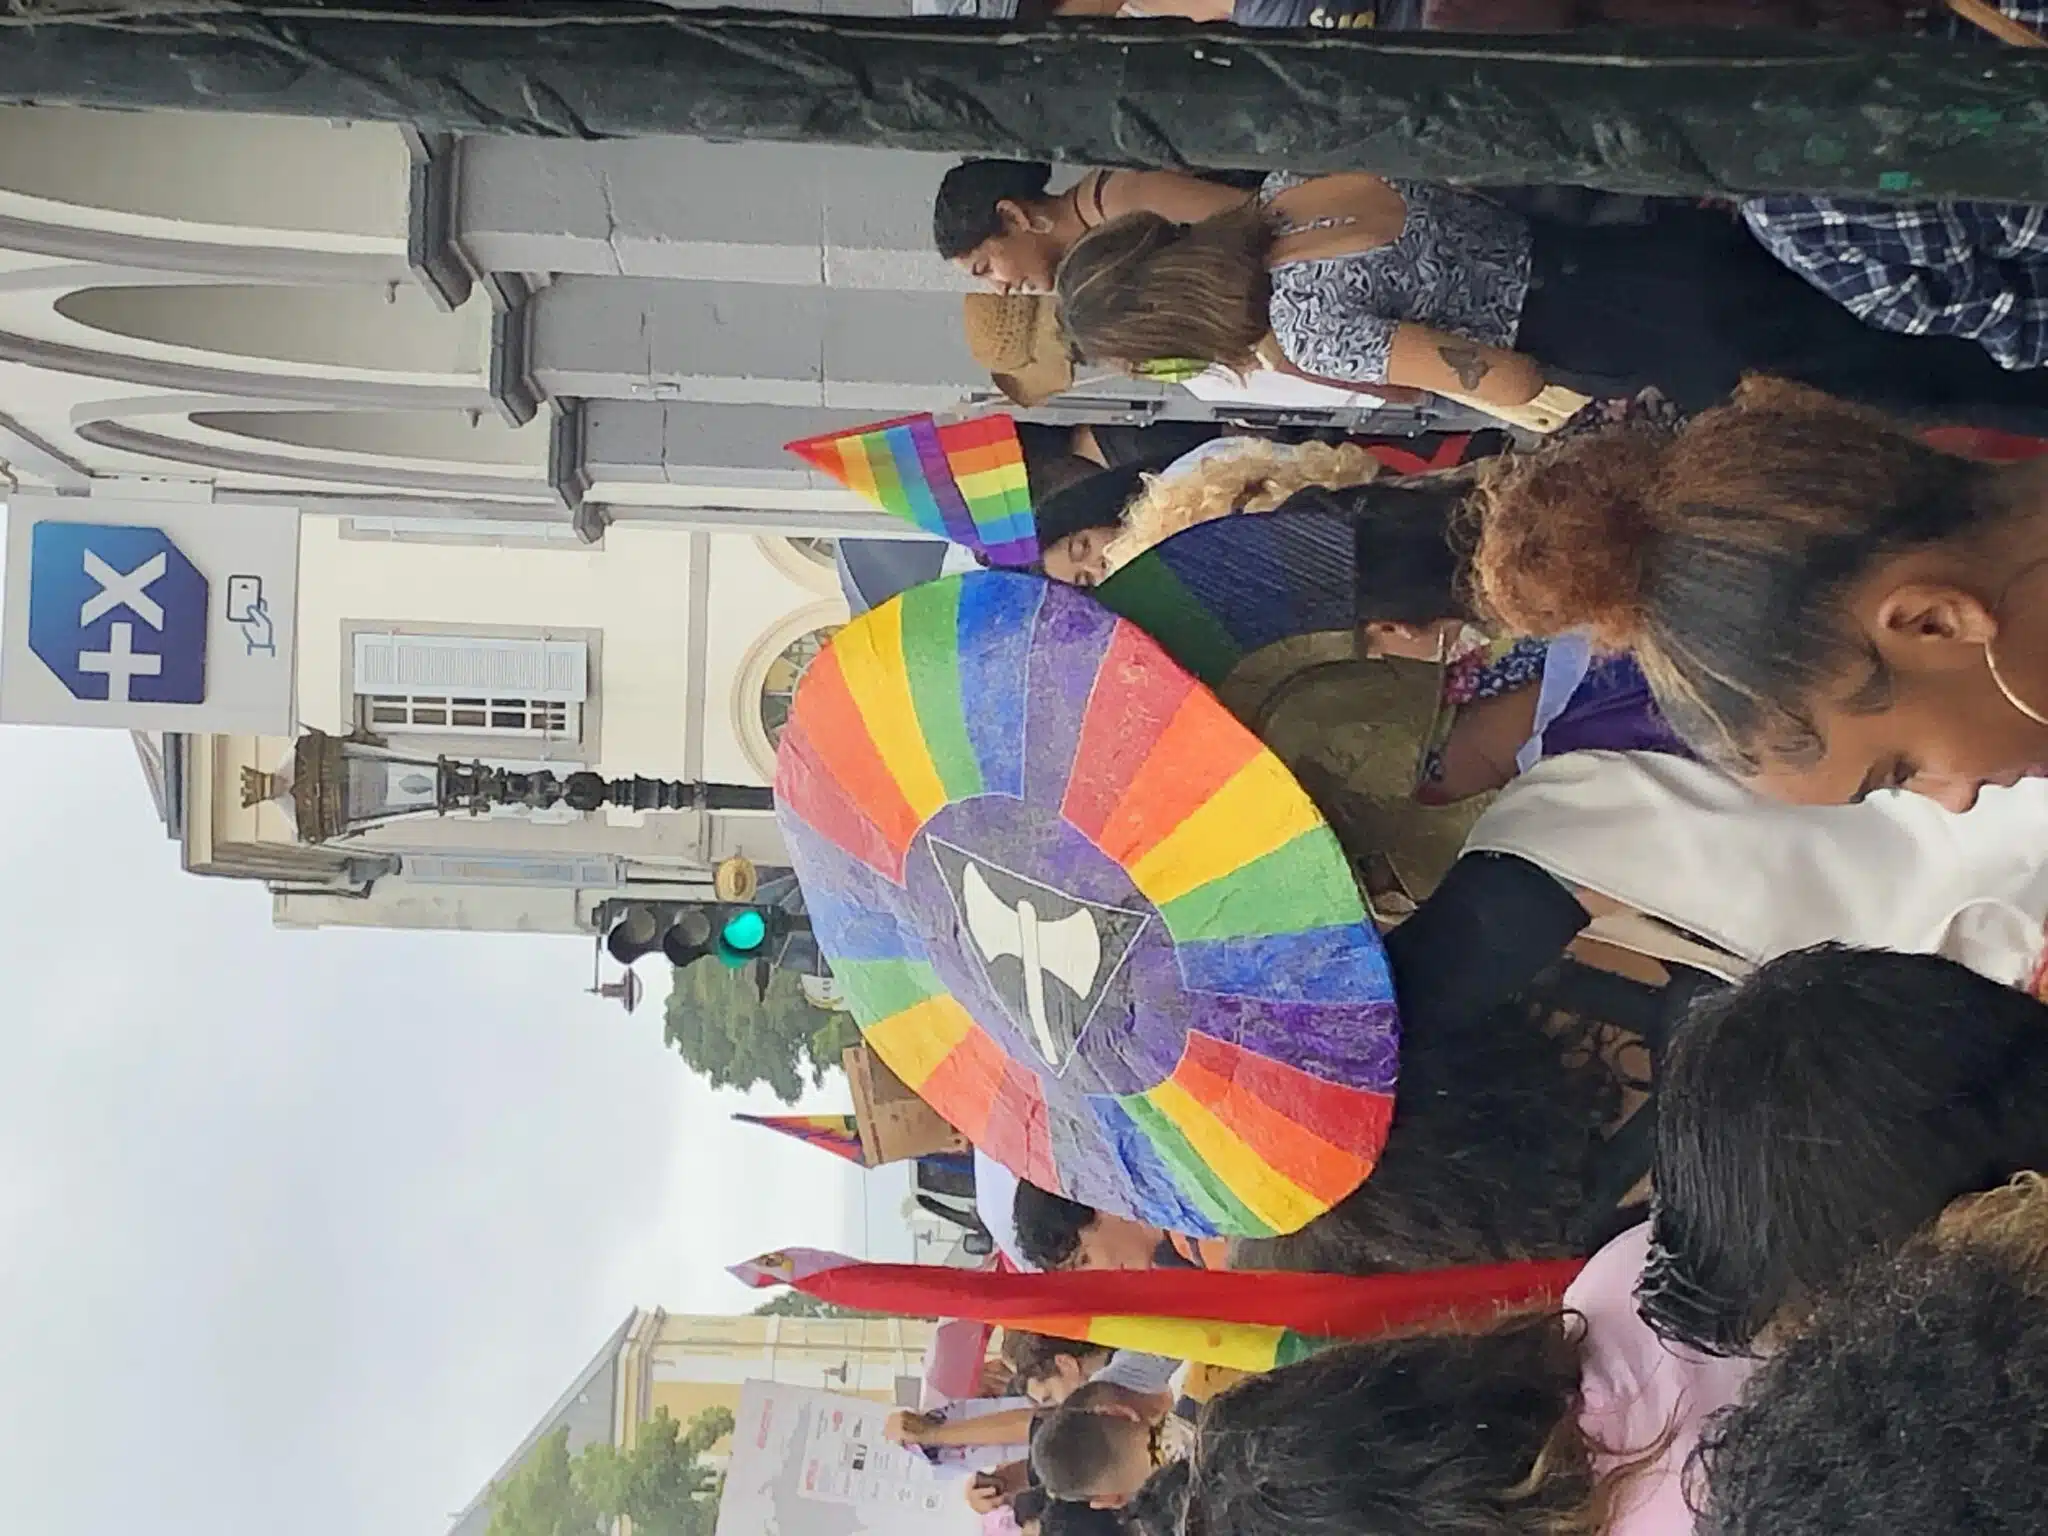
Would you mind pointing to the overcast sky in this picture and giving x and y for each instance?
(303, 1231)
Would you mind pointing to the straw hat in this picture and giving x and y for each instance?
(1016, 337)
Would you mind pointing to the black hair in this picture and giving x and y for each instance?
(1458, 1434)
(1913, 1399)
(1075, 1448)
(1050, 463)
(1067, 1517)
(1160, 1507)
(1098, 499)
(1049, 1226)
(964, 211)
(1492, 1154)
(1409, 564)
(1825, 1109)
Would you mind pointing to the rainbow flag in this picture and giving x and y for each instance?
(963, 481)
(1247, 1320)
(837, 1134)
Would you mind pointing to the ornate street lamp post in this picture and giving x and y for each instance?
(342, 786)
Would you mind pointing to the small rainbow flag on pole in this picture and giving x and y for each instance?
(837, 1134)
(963, 481)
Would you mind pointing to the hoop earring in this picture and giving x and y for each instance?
(2005, 688)
(1991, 654)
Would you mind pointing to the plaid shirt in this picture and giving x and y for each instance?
(1970, 269)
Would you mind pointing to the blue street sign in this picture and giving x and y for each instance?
(118, 613)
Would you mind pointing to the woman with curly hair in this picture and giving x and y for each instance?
(1572, 1423)
(1507, 702)
(1822, 602)
(1914, 1398)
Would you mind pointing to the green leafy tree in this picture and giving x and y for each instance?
(661, 1484)
(720, 1024)
(541, 1497)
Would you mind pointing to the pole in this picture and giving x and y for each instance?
(1661, 113)
(476, 787)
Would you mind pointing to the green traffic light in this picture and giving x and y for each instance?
(744, 931)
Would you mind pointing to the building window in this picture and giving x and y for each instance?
(467, 714)
(764, 691)
(469, 688)
(824, 552)
(812, 563)
(778, 686)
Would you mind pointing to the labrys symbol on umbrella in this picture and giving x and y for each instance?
(1050, 957)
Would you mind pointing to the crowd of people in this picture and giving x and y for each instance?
(1735, 986)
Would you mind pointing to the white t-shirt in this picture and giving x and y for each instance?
(1219, 386)
(995, 1200)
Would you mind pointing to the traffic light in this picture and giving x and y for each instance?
(744, 934)
(687, 931)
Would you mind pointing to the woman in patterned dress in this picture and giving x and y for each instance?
(1360, 280)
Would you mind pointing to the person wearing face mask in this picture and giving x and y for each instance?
(1822, 603)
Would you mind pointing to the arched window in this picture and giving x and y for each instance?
(778, 684)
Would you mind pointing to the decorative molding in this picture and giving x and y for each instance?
(265, 263)
(171, 450)
(483, 511)
(765, 521)
(569, 471)
(568, 446)
(513, 388)
(430, 247)
(237, 383)
(23, 450)
(697, 658)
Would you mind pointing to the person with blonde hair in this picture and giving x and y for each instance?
(1230, 475)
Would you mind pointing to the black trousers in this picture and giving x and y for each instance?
(1689, 303)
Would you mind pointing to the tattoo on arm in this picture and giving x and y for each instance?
(1467, 361)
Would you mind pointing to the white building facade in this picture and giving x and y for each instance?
(529, 398)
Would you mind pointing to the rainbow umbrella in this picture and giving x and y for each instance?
(963, 481)
(1263, 608)
(1248, 1320)
(1221, 591)
(837, 1134)
(1081, 910)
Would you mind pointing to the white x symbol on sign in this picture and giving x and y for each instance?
(128, 590)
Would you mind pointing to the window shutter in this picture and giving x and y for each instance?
(557, 670)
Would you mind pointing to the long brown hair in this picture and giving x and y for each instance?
(1142, 288)
(1724, 557)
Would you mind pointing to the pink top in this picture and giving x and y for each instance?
(1635, 1385)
